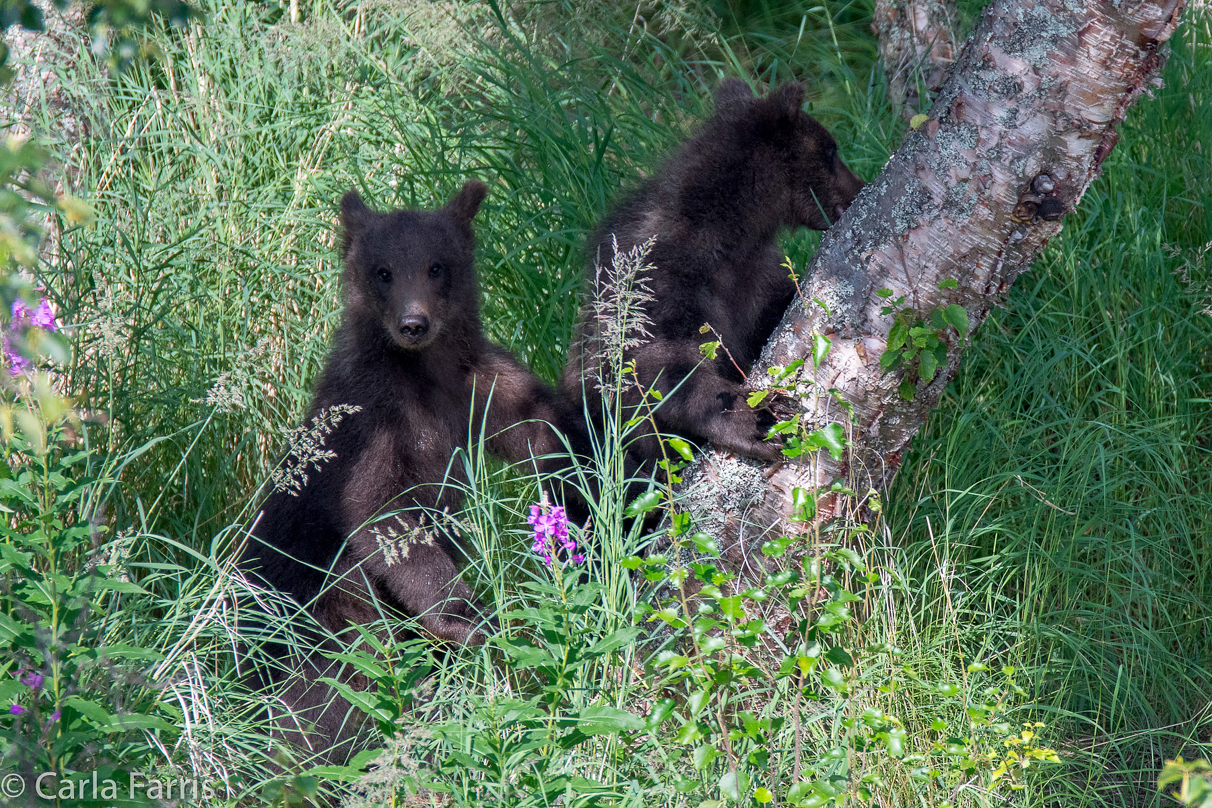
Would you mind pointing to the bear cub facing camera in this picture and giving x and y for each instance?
(713, 213)
(409, 378)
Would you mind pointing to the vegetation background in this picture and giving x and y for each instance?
(1054, 515)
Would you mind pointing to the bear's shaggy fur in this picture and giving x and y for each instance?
(408, 380)
(714, 211)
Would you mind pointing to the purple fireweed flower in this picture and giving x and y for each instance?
(16, 709)
(551, 533)
(41, 316)
(16, 363)
(20, 312)
(32, 680)
(542, 544)
(44, 317)
(54, 716)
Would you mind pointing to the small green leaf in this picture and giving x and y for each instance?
(696, 702)
(644, 503)
(782, 578)
(682, 448)
(834, 680)
(840, 656)
(731, 608)
(803, 505)
(703, 755)
(927, 366)
(799, 792)
(705, 543)
(888, 360)
(833, 438)
(681, 523)
(897, 335)
(885, 293)
(709, 349)
(601, 719)
(672, 661)
(733, 783)
(756, 397)
(896, 742)
(613, 641)
(775, 548)
(660, 712)
(907, 390)
(949, 283)
(763, 795)
(689, 733)
(820, 349)
(957, 317)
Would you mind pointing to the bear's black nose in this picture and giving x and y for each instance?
(414, 326)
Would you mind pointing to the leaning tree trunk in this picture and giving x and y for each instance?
(1020, 130)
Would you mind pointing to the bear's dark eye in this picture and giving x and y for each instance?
(435, 270)
(384, 274)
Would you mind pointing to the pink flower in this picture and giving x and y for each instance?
(20, 312)
(16, 709)
(42, 316)
(17, 364)
(551, 533)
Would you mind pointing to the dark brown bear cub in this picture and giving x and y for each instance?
(408, 380)
(713, 213)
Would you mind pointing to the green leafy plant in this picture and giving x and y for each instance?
(917, 342)
(75, 705)
(510, 749)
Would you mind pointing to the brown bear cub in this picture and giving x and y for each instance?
(713, 213)
(409, 379)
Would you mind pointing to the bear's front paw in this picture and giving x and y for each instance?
(745, 435)
(459, 622)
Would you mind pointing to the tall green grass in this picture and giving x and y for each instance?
(1051, 516)
(1062, 492)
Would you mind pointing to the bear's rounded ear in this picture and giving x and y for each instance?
(466, 203)
(354, 218)
(789, 98)
(732, 94)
